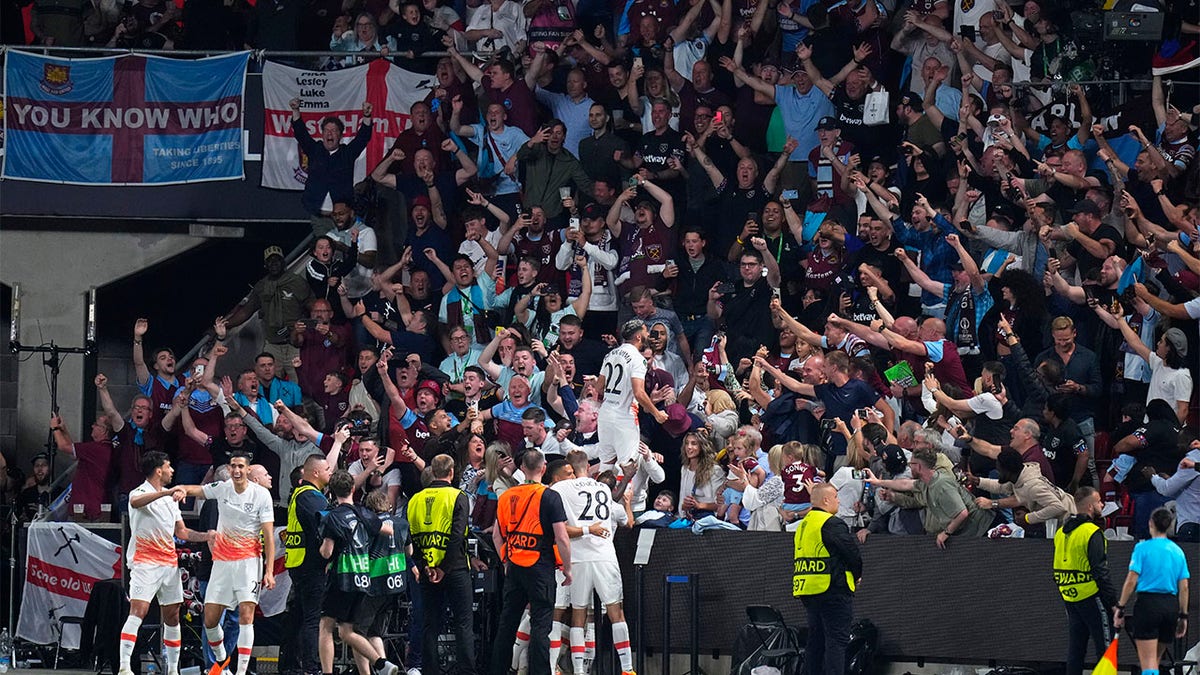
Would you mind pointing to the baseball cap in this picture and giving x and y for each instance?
(912, 100)
(893, 459)
(1178, 340)
(828, 123)
(594, 210)
(270, 251)
(432, 386)
(420, 200)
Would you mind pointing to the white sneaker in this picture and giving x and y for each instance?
(388, 668)
(125, 671)
(413, 671)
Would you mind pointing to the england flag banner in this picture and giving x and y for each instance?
(124, 120)
(64, 561)
(390, 90)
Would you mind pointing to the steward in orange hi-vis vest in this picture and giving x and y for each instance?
(518, 515)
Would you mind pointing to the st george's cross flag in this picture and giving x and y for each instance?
(391, 90)
(123, 120)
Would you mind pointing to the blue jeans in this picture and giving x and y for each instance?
(1144, 504)
(699, 333)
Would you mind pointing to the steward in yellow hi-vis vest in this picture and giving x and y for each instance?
(301, 535)
(437, 525)
(431, 522)
(826, 571)
(1081, 575)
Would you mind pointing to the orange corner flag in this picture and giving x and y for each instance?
(1108, 663)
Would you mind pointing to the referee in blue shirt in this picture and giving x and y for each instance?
(1158, 573)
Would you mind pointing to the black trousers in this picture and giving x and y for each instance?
(456, 591)
(829, 617)
(298, 652)
(533, 586)
(1086, 620)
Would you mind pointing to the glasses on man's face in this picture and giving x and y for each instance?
(658, 333)
(751, 264)
(456, 338)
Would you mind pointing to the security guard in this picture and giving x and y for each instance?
(306, 567)
(437, 521)
(530, 524)
(826, 569)
(1081, 574)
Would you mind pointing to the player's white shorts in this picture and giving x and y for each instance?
(562, 594)
(600, 576)
(234, 581)
(147, 582)
(617, 439)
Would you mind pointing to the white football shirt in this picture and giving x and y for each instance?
(588, 501)
(240, 517)
(622, 365)
(152, 529)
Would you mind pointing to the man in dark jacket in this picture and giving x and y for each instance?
(298, 653)
(827, 567)
(1081, 574)
(330, 164)
(438, 517)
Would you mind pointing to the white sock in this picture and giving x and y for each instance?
(128, 639)
(522, 643)
(589, 641)
(556, 635)
(577, 650)
(245, 643)
(172, 640)
(216, 641)
(620, 631)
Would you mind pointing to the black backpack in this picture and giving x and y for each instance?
(862, 648)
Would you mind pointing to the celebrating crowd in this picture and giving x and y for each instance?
(726, 251)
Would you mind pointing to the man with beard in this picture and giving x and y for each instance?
(280, 299)
(548, 167)
(428, 221)
(623, 381)
(663, 359)
(1081, 574)
(351, 233)
(748, 305)
(596, 151)
(330, 164)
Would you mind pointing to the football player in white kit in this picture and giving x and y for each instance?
(622, 383)
(592, 518)
(245, 530)
(154, 522)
